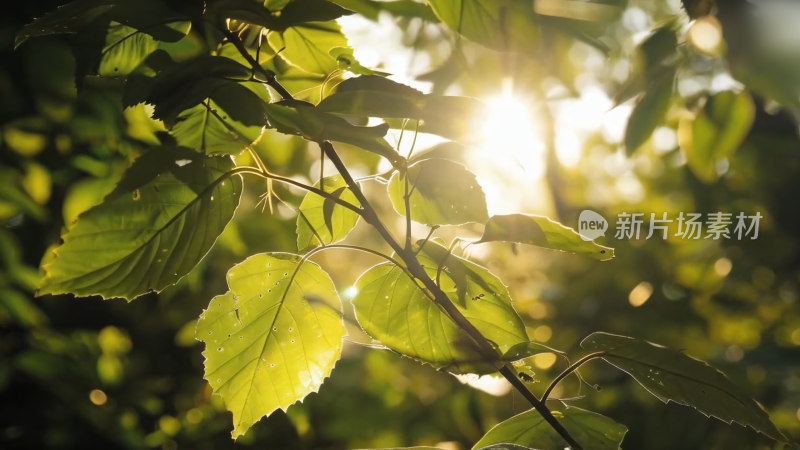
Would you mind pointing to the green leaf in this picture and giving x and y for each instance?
(273, 337)
(207, 129)
(529, 429)
(501, 25)
(671, 375)
(309, 46)
(323, 219)
(159, 222)
(392, 309)
(125, 49)
(542, 232)
(303, 119)
(649, 112)
(716, 132)
(442, 192)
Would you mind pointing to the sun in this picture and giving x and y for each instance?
(509, 155)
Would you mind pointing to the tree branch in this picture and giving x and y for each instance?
(441, 299)
(408, 256)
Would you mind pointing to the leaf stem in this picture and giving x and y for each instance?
(573, 367)
(320, 192)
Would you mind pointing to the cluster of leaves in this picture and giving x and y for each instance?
(216, 77)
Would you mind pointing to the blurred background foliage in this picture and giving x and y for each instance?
(83, 373)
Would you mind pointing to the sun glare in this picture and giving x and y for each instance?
(509, 132)
(509, 157)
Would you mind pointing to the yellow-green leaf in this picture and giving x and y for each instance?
(392, 309)
(309, 46)
(442, 192)
(541, 232)
(272, 338)
(529, 429)
(159, 222)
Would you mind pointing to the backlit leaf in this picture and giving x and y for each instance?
(392, 309)
(502, 25)
(442, 192)
(207, 129)
(529, 429)
(272, 338)
(159, 222)
(309, 46)
(127, 47)
(542, 232)
(671, 375)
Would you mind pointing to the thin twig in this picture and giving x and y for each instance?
(573, 367)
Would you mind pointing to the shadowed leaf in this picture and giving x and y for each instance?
(672, 376)
(159, 222)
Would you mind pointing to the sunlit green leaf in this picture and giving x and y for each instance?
(529, 429)
(127, 47)
(442, 192)
(273, 337)
(323, 219)
(208, 129)
(392, 309)
(716, 132)
(542, 232)
(502, 25)
(157, 225)
(309, 46)
(670, 375)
